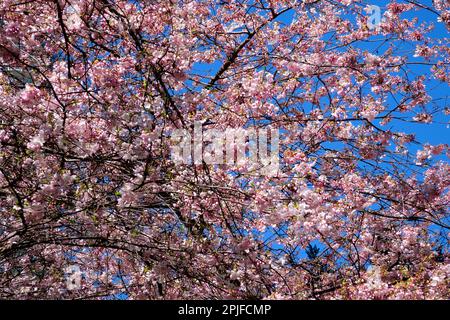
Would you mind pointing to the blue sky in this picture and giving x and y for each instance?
(435, 133)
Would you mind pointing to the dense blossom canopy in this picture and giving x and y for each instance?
(91, 90)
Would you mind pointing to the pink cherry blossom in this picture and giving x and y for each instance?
(92, 94)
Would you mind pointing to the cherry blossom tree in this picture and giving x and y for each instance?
(92, 90)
